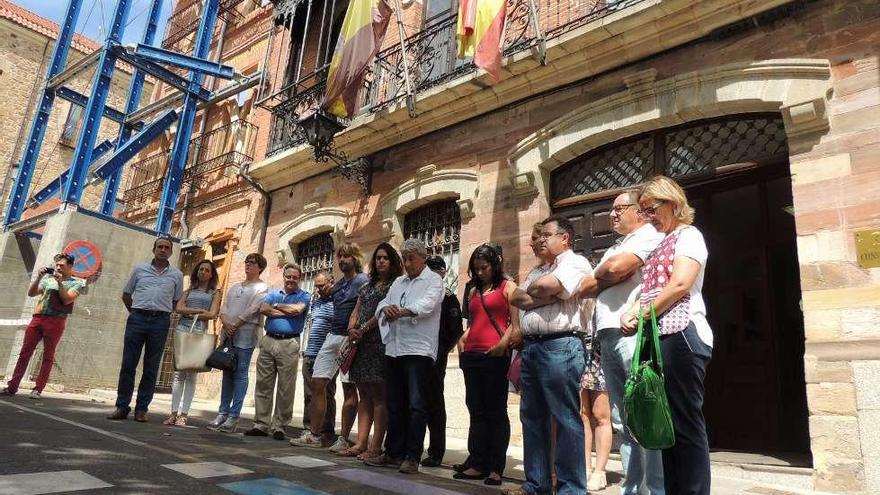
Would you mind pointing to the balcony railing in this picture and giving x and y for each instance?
(431, 60)
(182, 25)
(231, 145)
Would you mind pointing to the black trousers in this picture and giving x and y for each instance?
(437, 409)
(329, 427)
(686, 468)
(406, 394)
(485, 381)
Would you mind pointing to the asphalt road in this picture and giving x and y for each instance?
(59, 445)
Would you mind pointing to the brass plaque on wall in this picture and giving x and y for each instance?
(868, 248)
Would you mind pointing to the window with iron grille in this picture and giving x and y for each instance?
(313, 255)
(438, 225)
(686, 152)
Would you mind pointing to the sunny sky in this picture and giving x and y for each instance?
(95, 16)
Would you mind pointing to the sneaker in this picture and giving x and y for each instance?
(307, 439)
(383, 460)
(597, 481)
(228, 426)
(341, 444)
(219, 420)
(409, 466)
(35, 394)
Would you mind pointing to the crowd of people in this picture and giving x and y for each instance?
(563, 338)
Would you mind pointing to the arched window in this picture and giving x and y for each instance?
(313, 255)
(438, 225)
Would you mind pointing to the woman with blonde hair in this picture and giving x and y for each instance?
(673, 281)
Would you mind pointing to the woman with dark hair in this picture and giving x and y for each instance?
(368, 368)
(484, 358)
(199, 303)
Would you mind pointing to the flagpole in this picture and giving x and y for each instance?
(410, 97)
(542, 43)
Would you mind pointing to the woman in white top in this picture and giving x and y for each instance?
(673, 280)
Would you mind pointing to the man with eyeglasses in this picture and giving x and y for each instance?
(55, 294)
(615, 284)
(150, 296)
(318, 322)
(553, 362)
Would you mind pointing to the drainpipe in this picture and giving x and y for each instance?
(184, 228)
(267, 208)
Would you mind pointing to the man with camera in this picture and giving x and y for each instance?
(55, 290)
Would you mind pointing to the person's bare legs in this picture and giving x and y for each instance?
(380, 417)
(349, 408)
(587, 417)
(364, 418)
(601, 409)
(318, 404)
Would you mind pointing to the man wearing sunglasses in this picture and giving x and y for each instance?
(55, 290)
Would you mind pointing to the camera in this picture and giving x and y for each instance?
(50, 270)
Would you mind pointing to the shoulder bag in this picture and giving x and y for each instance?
(191, 350)
(648, 416)
(513, 371)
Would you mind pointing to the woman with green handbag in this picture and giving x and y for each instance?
(672, 281)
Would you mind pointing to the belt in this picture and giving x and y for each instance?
(549, 336)
(282, 336)
(150, 312)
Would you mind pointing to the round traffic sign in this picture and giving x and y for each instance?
(86, 258)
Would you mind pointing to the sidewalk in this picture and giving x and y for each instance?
(731, 474)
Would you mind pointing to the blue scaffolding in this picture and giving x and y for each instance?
(134, 135)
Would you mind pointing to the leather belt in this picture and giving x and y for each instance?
(150, 312)
(549, 336)
(282, 336)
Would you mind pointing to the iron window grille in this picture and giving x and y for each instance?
(438, 225)
(313, 255)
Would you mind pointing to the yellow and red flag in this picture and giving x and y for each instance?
(361, 36)
(480, 33)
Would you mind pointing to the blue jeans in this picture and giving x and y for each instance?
(406, 381)
(146, 333)
(551, 376)
(642, 468)
(235, 384)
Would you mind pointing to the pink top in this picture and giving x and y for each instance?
(482, 335)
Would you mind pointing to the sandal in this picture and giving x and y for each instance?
(368, 454)
(171, 420)
(350, 452)
(181, 420)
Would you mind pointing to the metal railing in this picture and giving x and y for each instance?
(431, 60)
(184, 22)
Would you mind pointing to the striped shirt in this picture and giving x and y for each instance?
(568, 314)
(321, 314)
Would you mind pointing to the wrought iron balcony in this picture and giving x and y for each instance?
(184, 22)
(431, 61)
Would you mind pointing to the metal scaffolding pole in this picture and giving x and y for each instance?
(177, 162)
(82, 155)
(135, 90)
(28, 162)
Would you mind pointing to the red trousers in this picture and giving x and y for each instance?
(49, 329)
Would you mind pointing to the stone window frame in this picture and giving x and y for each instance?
(314, 220)
(797, 88)
(428, 185)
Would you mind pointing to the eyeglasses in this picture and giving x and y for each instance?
(618, 209)
(547, 235)
(250, 262)
(650, 211)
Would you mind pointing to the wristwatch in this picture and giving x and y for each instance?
(274, 305)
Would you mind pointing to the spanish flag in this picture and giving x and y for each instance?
(363, 30)
(480, 33)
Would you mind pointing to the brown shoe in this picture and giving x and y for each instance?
(409, 466)
(118, 415)
(140, 416)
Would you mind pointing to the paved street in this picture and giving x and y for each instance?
(57, 445)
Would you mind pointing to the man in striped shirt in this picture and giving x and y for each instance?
(318, 326)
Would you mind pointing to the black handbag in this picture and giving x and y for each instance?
(223, 358)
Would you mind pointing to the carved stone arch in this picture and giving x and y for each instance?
(312, 221)
(428, 185)
(798, 88)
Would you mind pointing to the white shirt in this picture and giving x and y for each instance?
(243, 301)
(614, 301)
(413, 335)
(692, 245)
(568, 314)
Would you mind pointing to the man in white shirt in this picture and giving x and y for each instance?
(409, 322)
(552, 363)
(615, 284)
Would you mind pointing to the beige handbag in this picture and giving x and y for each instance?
(191, 350)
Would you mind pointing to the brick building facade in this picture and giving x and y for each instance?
(767, 111)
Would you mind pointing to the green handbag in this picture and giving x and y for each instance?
(648, 417)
